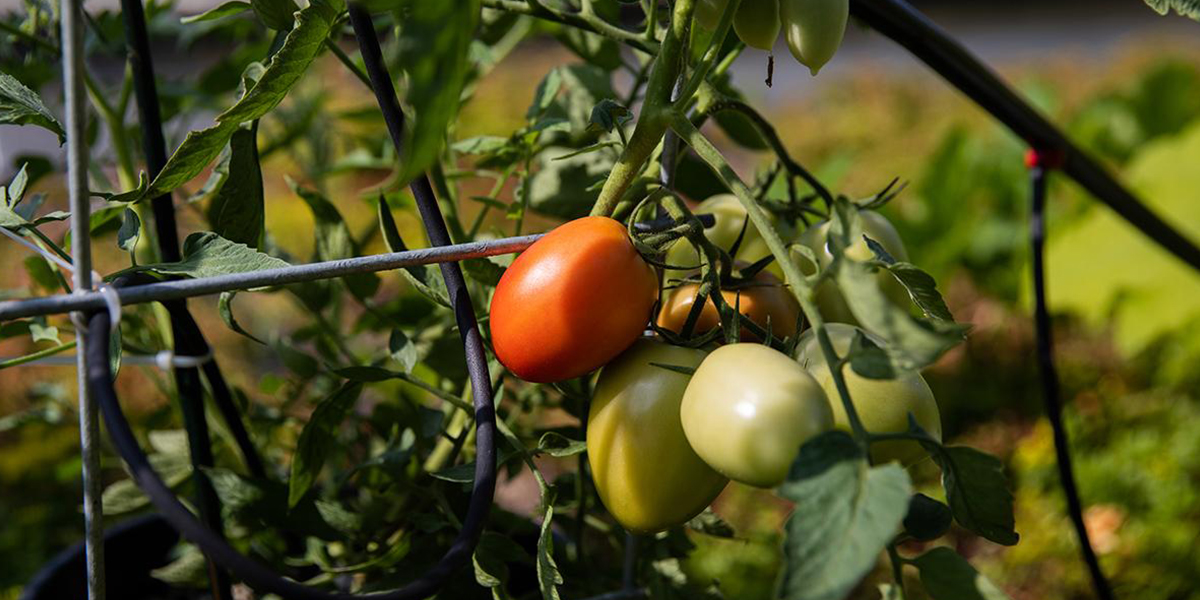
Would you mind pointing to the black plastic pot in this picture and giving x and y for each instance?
(132, 549)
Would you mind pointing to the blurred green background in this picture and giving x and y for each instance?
(1127, 316)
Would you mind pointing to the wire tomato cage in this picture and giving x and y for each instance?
(192, 358)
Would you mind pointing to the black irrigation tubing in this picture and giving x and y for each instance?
(187, 379)
(1051, 394)
(154, 145)
(460, 552)
(911, 29)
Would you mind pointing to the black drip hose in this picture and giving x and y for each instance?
(212, 543)
(188, 343)
(1051, 394)
(905, 25)
(183, 325)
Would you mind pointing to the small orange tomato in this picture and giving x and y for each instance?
(765, 298)
(572, 301)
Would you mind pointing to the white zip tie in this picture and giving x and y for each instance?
(111, 299)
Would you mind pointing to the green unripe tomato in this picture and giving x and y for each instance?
(814, 29)
(708, 13)
(757, 23)
(882, 405)
(647, 475)
(748, 409)
(729, 215)
(875, 226)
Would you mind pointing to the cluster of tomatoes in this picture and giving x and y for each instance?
(662, 443)
(813, 28)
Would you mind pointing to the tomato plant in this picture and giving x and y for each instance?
(359, 437)
(635, 415)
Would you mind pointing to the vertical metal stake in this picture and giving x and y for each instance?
(77, 162)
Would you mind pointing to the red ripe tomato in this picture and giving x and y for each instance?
(572, 302)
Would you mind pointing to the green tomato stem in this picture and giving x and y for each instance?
(28, 358)
(585, 20)
(348, 62)
(710, 54)
(652, 122)
(897, 568)
(793, 168)
(796, 280)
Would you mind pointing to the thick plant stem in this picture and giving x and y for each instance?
(796, 280)
(654, 119)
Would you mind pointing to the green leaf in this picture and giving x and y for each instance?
(483, 144)
(593, 48)
(206, 254)
(403, 350)
(547, 570)
(125, 496)
(296, 361)
(9, 218)
(130, 231)
(426, 279)
(544, 95)
(1187, 8)
(868, 359)
(914, 343)
(922, 289)
(333, 239)
(189, 569)
(483, 270)
(977, 491)
(43, 333)
(584, 86)
(560, 186)
(225, 309)
(927, 519)
(559, 446)
(465, 473)
(237, 212)
(299, 49)
(317, 439)
(365, 374)
(607, 115)
(847, 512)
(276, 14)
(492, 555)
(20, 105)
(16, 188)
(338, 517)
(433, 46)
(948, 576)
(228, 9)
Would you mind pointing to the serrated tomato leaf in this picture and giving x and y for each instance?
(846, 514)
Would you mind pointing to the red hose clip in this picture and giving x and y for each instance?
(1048, 159)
